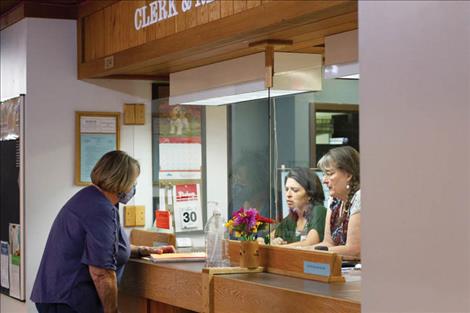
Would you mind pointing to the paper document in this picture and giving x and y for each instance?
(5, 260)
(179, 257)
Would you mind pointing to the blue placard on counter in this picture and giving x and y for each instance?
(315, 268)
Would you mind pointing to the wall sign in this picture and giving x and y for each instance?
(161, 10)
(96, 134)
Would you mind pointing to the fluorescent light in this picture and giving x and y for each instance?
(262, 94)
(347, 70)
(353, 76)
(243, 79)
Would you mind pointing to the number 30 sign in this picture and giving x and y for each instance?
(188, 213)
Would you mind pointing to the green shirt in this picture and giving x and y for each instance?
(315, 220)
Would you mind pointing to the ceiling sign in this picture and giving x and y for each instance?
(161, 10)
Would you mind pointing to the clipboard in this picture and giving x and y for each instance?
(178, 257)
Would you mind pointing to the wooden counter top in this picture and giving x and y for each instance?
(265, 292)
(180, 285)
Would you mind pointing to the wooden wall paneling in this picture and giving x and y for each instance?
(226, 8)
(126, 25)
(89, 7)
(132, 304)
(191, 17)
(180, 19)
(159, 307)
(112, 31)
(214, 10)
(169, 26)
(315, 38)
(231, 30)
(94, 39)
(297, 33)
(234, 295)
(202, 13)
(163, 284)
(141, 237)
(134, 37)
(252, 3)
(12, 16)
(239, 6)
(151, 31)
(275, 260)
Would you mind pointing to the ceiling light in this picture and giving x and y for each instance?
(246, 78)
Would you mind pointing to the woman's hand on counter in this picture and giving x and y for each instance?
(146, 251)
(278, 241)
(142, 251)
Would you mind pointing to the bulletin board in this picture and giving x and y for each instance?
(12, 197)
(96, 133)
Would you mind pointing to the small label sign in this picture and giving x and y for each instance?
(315, 268)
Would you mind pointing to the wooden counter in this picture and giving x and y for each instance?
(265, 292)
(178, 287)
(168, 284)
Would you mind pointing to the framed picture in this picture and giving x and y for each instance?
(96, 133)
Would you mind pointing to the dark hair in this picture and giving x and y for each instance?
(309, 181)
(312, 185)
(115, 172)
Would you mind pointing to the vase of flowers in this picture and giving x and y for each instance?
(247, 225)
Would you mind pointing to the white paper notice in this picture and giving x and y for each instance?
(161, 197)
(15, 261)
(5, 260)
(97, 124)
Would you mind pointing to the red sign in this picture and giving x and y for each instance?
(163, 219)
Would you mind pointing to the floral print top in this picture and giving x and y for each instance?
(339, 224)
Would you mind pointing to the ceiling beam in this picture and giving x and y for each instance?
(39, 9)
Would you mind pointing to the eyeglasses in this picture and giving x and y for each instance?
(328, 174)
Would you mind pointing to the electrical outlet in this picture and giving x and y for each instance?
(129, 215)
(140, 215)
(109, 62)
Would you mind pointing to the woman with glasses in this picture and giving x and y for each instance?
(87, 248)
(342, 226)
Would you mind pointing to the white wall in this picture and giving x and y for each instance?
(13, 60)
(415, 149)
(53, 96)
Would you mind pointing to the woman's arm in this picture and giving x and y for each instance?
(312, 238)
(106, 285)
(352, 247)
(327, 241)
(140, 251)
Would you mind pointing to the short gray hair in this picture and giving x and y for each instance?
(115, 172)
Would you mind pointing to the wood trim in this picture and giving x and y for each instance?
(91, 6)
(12, 16)
(37, 9)
(290, 261)
(250, 294)
(167, 283)
(230, 30)
(154, 78)
(335, 107)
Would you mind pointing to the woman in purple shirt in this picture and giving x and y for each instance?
(87, 248)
